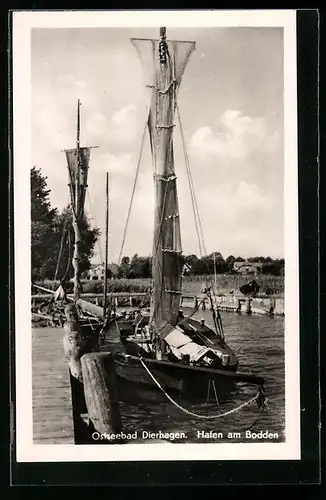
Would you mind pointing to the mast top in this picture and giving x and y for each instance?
(163, 33)
(78, 147)
(78, 124)
(161, 38)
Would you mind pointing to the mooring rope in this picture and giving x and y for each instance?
(206, 417)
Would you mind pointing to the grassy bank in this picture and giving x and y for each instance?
(270, 285)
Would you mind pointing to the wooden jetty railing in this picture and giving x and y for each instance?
(226, 302)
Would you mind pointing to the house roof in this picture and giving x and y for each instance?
(240, 263)
(114, 268)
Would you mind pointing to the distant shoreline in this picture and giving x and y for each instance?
(270, 286)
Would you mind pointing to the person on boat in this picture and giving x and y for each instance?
(180, 315)
(128, 316)
(137, 317)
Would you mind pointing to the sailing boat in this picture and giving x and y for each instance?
(112, 358)
(162, 350)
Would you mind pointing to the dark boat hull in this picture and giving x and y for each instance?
(135, 384)
(162, 377)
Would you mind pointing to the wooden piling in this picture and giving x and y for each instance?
(101, 393)
(248, 306)
(75, 345)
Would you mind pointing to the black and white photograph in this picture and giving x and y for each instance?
(156, 247)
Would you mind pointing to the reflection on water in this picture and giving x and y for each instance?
(259, 344)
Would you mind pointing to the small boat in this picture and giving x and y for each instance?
(160, 350)
(250, 289)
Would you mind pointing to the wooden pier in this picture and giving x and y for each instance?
(226, 302)
(52, 409)
(52, 404)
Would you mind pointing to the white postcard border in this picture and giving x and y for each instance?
(26, 450)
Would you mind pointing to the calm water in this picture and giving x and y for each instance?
(259, 344)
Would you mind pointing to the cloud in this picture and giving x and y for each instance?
(236, 218)
(55, 116)
(119, 165)
(55, 121)
(121, 128)
(121, 117)
(238, 136)
(229, 205)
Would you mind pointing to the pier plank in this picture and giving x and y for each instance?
(52, 411)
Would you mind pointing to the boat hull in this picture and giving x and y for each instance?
(140, 377)
(139, 381)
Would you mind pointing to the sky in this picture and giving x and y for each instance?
(231, 107)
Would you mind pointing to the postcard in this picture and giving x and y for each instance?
(156, 236)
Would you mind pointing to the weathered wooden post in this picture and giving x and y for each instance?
(101, 393)
(272, 303)
(248, 306)
(75, 346)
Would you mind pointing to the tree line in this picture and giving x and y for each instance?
(140, 267)
(52, 241)
(52, 237)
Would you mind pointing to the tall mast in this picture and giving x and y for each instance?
(169, 59)
(76, 222)
(78, 164)
(106, 245)
(78, 125)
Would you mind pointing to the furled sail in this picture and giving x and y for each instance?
(78, 163)
(164, 62)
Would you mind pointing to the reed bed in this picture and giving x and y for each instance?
(269, 285)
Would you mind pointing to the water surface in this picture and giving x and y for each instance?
(258, 342)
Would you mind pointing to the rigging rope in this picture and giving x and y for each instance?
(198, 224)
(201, 244)
(157, 244)
(92, 214)
(206, 417)
(64, 228)
(199, 227)
(69, 255)
(132, 193)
